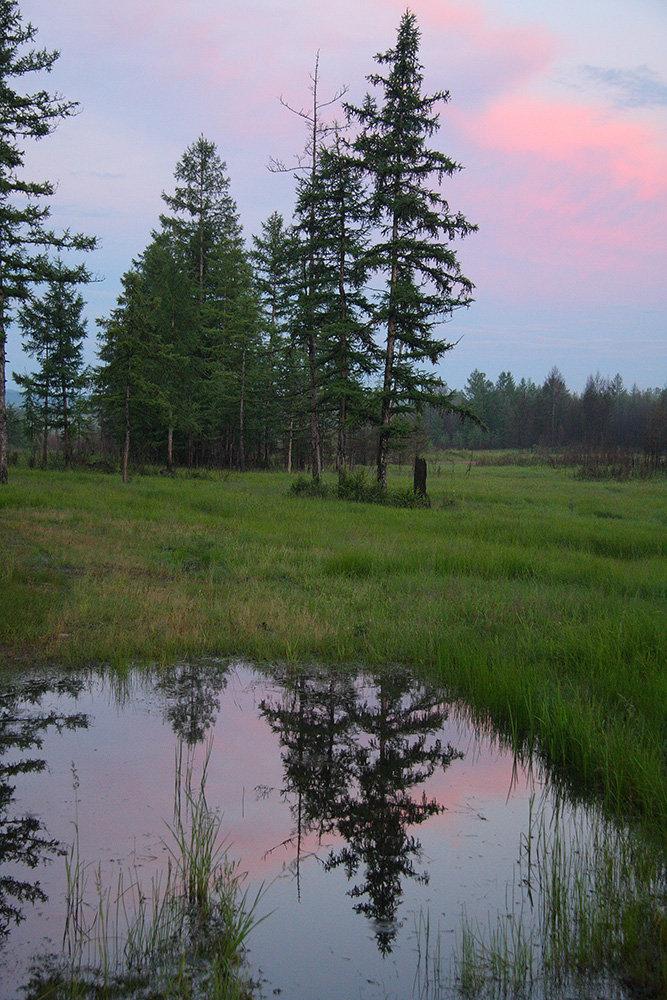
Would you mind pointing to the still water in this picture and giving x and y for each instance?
(373, 813)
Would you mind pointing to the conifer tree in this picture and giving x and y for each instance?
(308, 251)
(272, 259)
(170, 298)
(204, 211)
(54, 330)
(24, 238)
(348, 354)
(125, 382)
(423, 282)
(208, 241)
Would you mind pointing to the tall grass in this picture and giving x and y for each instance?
(587, 914)
(181, 937)
(536, 597)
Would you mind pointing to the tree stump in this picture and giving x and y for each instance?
(420, 477)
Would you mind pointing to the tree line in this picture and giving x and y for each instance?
(328, 325)
(221, 354)
(523, 414)
(314, 344)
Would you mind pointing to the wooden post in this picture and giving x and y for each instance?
(420, 477)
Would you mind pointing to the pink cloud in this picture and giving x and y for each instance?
(568, 190)
(625, 153)
(464, 50)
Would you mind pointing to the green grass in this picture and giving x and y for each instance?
(536, 597)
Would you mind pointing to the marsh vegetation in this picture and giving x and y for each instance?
(534, 597)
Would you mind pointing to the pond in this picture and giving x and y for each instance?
(388, 834)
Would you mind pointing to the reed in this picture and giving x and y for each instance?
(587, 914)
(182, 937)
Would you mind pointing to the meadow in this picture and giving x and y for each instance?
(536, 597)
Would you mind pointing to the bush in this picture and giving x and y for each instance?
(305, 486)
(356, 487)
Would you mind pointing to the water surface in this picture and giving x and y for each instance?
(372, 812)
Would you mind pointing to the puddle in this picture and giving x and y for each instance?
(376, 817)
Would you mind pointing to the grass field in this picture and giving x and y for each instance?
(537, 597)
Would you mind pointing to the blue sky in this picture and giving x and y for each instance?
(558, 113)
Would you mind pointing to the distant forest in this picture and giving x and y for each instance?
(605, 419)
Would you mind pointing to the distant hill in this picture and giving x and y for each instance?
(14, 397)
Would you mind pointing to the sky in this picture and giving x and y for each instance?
(557, 113)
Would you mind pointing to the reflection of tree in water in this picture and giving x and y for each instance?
(193, 691)
(352, 761)
(314, 723)
(23, 838)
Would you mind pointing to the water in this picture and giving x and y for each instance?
(372, 812)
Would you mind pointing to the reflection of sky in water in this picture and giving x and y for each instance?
(314, 945)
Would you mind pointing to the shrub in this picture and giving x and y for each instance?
(357, 488)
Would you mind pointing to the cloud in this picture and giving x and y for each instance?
(569, 202)
(569, 190)
(632, 88)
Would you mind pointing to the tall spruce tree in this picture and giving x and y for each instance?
(423, 282)
(171, 302)
(348, 354)
(203, 209)
(308, 249)
(272, 260)
(208, 240)
(24, 238)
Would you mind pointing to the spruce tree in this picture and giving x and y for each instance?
(348, 354)
(203, 208)
(125, 381)
(171, 302)
(271, 259)
(207, 238)
(275, 259)
(308, 251)
(423, 282)
(24, 238)
(54, 331)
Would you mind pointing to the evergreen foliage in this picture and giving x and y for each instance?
(54, 331)
(423, 282)
(316, 346)
(24, 237)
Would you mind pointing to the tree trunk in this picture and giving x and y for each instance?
(342, 410)
(290, 442)
(385, 414)
(315, 446)
(419, 480)
(4, 437)
(66, 429)
(241, 441)
(342, 439)
(45, 434)
(126, 449)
